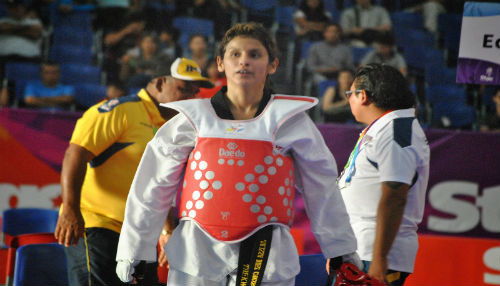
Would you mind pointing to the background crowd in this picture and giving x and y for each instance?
(66, 54)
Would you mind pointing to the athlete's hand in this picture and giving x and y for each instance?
(70, 226)
(162, 258)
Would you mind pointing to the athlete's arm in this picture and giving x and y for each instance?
(70, 225)
(389, 215)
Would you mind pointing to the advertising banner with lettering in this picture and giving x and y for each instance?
(460, 229)
(479, 53)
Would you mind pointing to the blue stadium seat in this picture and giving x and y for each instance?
(417, 57)
(22, 71)
(406, 38)
(284, 25)
(26, 226)
(331, 6)
(40, 264)
(449, 101)
(323, 85)
(68, 35)
(188, 26)
(312, 270)
(28, 220)
(440, 74)
(74, 74)
(407, 20)
(259, 11)
(76, 18)
(71, 54)
(88, 94)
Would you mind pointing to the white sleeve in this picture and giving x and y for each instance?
(395, 163)
(153, 189)
(315, 175)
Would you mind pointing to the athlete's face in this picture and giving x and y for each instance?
(246, 62)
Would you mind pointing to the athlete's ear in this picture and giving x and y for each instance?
(273, 66)
(220, 64)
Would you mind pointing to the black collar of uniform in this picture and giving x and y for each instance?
(220, 103)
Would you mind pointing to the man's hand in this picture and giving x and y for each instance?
(70, 226)
(378, 269)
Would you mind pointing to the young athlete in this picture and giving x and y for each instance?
(238, 157)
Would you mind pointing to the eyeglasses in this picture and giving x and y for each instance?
(350, 92)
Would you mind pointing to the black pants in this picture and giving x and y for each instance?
(101, 245)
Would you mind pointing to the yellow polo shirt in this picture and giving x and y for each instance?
(116, 132)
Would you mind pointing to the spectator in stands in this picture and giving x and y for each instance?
(98, 168)
(386, 53)
(335, 105)
(327, 57)
(139, 64)
(216, 77)
(198, 50)
(20, 35)
(311, 19)
(364, 22)
(115, 89)
(49, 93)
(168, 43)
(118, 41)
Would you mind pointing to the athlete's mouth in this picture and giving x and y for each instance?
(243, 72)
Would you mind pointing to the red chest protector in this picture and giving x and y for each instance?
(236, 179)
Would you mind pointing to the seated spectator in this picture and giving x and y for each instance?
(217, 78)
(49, 93)
(327, 57)
(310, 20)
(20, 35)
(139, 64)
(115, 89)
(168, 43)
(119, 40)
(335, 105)
(198, 50)
(364, 22)
(386, 53)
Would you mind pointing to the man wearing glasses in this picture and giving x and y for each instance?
(385, 179)
(98, 168)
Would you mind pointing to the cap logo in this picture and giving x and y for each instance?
(190, 68)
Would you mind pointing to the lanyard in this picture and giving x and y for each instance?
(350, 166)
(150, 119)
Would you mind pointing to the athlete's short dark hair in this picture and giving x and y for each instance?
(251, 30)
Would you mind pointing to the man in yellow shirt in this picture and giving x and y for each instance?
(99, 166)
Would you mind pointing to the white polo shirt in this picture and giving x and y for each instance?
(393, 149)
